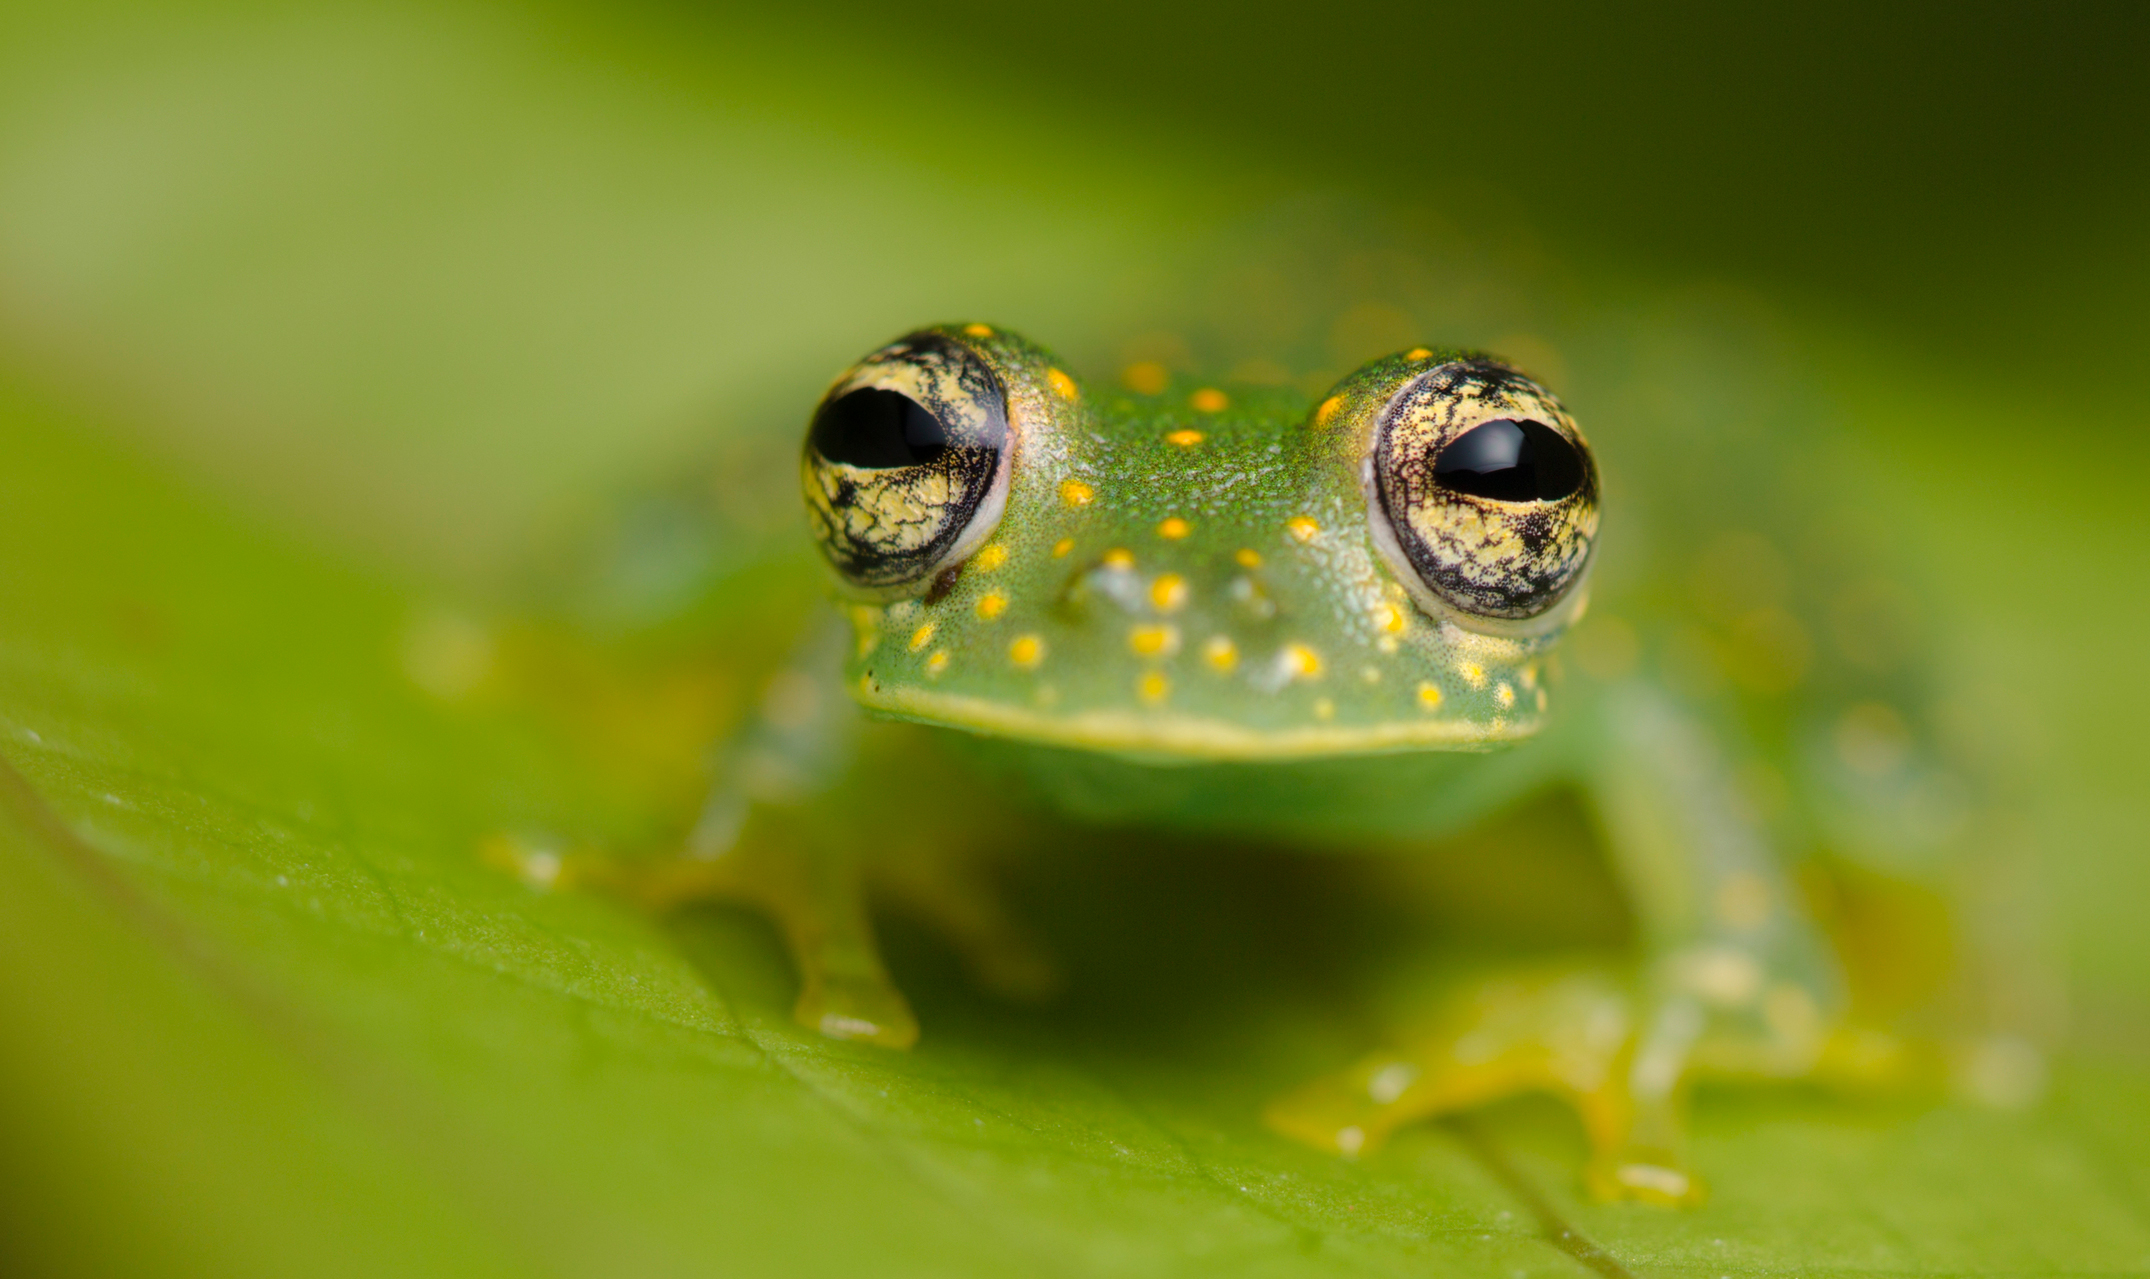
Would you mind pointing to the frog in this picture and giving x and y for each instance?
(1337, 619)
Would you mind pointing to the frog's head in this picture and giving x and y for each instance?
(1201, 573)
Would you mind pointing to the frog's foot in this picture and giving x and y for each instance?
(817, 902)
(1568, 1031)
(814, 900)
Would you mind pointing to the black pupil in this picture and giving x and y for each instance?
(878, 430)
(1510, 462)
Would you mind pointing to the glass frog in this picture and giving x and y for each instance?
(1328, 621)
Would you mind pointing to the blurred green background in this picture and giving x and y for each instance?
(318, 318)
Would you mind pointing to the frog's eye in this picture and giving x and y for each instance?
(906, 462)
(1484, 494)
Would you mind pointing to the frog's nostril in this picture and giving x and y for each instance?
(1111, 579)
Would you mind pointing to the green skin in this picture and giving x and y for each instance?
(1183, 615)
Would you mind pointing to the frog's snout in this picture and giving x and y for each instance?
(1111, 591)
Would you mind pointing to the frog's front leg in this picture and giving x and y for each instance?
(1734, 979)
(812, 889)
(773, 835)
(1737, 979)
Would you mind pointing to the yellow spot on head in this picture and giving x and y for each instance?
(921, 637)
(1168, 592)
(1147, 378)
(1062, 547)
(1063, 385)
(992, 604)
(1026, 651)
(1429, 697)
(1418, 353)
(1302, 528)
(1221, 653)
(1154, 641)
(938, 662)
(1327, 412)
(1173, 529)
(1209, 400)
(1076, 493)
(1472, 673)
(1186, 439)
(1324, 708)
(1152, 688)
(1119, 557)
(979, 330)
(991, 557)
(1386, 643)
(1504, 694)
(1247, 557)
(1389, 619)
(1300, 662)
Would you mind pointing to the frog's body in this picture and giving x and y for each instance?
(1240, 611)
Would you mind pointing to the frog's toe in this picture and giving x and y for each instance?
(1638, 1175)
(541, 862)
(1339, 1113)
(865, 1008)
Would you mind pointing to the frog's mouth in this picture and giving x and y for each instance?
(1164, 737)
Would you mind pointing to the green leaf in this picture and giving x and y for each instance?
(267, 1007)
(267, 1012)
